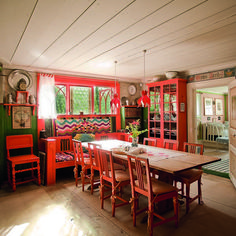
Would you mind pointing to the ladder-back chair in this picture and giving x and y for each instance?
(155, 190)
(171, 144)
(111, 178)
(150, 142)
(81, 159)
(186, 178)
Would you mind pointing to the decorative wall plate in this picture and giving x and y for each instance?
(16, 75)
(132, 89)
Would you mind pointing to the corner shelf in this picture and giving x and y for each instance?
(18, 104)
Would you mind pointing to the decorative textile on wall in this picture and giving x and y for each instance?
(47, 107)
(75, 126)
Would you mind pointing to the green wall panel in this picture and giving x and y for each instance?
(5, 130)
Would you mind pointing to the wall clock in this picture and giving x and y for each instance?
(132, 89)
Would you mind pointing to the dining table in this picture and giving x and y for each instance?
(164, 162)
(160, 159)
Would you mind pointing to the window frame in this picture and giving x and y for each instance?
(85, 82)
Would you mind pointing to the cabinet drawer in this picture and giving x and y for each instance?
(133, 112)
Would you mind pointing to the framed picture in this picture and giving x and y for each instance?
(208, 107)
(219, 107)
(21, 117)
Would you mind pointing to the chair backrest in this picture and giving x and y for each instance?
(171, 144)
(63, 143)
(19, 142)
(150, 141)
(93, 154)
(101, 136)
(140, 178)
(107, 171)
(78, 152)
(193, 148)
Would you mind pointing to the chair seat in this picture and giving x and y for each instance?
(158, 187)
(120, 175)
(189, 175)
(23, 159)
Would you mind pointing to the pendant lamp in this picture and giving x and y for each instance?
(144, 100)
(115, 102)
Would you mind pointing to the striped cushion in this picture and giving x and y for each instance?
(64, 156)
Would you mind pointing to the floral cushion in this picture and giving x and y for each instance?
(64, 156)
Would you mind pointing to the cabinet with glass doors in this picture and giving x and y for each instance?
(167, 112)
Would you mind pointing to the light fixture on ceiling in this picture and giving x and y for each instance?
(144, 100)
(115, 102)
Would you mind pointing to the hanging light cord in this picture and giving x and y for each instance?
(144, 68)
(115, 75)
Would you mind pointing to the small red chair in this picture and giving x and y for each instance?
(26, 162)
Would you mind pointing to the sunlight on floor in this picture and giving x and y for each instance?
(54, 221)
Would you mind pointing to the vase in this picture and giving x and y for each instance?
(134, 142)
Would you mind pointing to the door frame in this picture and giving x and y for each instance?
(191, 104)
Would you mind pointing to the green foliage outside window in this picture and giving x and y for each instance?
(81, 100)
(60, 91)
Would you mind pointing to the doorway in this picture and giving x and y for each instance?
(199, 134)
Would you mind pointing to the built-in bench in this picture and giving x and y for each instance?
(59, 149)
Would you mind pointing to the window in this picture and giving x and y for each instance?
(80, 100)
(60, 91)
(74, 96)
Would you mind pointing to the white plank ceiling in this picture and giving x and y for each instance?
(85, 37)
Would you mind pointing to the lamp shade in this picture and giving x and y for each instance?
(115, 101)
(144, 100)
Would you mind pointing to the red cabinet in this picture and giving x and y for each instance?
(167, 112)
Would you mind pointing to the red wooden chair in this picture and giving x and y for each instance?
(154, 190)
(111, 178)
(82, 160)
(26, 162)
(95, 165)
(150, 142)
(190, 176)
(171, 144)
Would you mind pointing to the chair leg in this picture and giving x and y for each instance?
(176, 210)
(13, 178)
(9, 172)
(82, 176)
(187, 197)
(113, 201)
(102, 193)
(39, 176)
(150, 218)
(92, 179)
(76, 175)
(199, 192)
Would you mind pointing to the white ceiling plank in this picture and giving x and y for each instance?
(45, 26)
(14, 16)
(95, 17)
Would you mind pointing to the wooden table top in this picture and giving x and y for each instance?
(161, 159)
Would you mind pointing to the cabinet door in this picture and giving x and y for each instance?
(169, 97)
(155, 114)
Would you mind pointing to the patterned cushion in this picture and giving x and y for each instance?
(64, 156)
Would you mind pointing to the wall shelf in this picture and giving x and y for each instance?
(8, 106)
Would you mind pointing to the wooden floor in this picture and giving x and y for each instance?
(65, 210)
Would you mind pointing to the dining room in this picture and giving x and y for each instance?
(100, 99)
